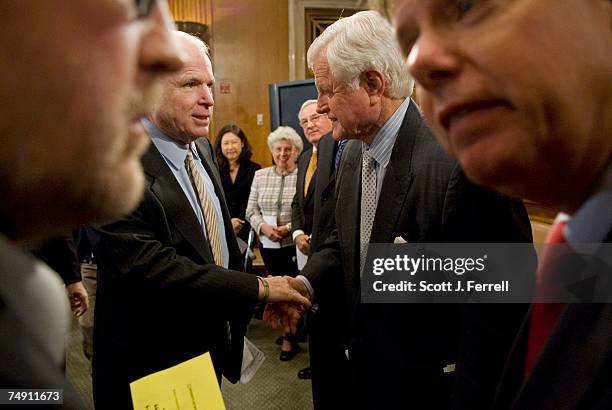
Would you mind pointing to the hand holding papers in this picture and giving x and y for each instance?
(269, 240)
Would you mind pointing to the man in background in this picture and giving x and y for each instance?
(61, 255)
(328, 364)
(520, 92)
(74, 83)
(314, 126)
(396, 183)
(169, 280)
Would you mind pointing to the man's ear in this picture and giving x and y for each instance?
(374, 83)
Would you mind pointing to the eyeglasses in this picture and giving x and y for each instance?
(313, 118)
(144, 7)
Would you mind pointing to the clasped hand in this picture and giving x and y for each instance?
(274, 233)
(287, 313)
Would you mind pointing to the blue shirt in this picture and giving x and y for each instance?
(383, 143)
(593, 220)
(174, 153)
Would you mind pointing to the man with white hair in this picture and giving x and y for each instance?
(395, 181)
(315, 126)
(169, 286)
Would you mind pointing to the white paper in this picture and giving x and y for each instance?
(265, 242)
(302, 258)
(252, 358)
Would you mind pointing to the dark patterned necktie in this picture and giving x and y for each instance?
(368, 204)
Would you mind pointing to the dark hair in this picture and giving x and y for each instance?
(246, 153)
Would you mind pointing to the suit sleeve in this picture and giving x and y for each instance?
(130, 252)
(297, 215)
(61, 255)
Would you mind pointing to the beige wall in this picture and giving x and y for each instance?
(249, 41)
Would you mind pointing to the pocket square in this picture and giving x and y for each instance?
(399, 239)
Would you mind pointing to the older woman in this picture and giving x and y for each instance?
(269, 207)
(269, 211)
(233, 153)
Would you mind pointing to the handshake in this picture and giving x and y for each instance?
(286, 301)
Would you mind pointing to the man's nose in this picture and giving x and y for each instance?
(206, 97)
(433, 61)
(322, 104)
(159, 53)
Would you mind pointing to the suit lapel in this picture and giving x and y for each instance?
(398, 179)
(210, 167)
(178, 208)
(579, 348)
(325, 171)
(348, 214)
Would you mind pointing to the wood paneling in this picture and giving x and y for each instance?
(316, 20)
(541, 213)
(250, 51)
(250, 46)
(199, 11)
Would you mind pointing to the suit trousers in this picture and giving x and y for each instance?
(328, 362)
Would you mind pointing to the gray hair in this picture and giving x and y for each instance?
(288, 134)
(304, 105)
(194, 39)
(364, 41)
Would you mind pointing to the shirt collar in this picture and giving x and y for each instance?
(383, 143)
(174, 152)
(593, 220)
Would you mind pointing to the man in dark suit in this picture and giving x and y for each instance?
(396, 182)
(314, 126)
(70, 152)
(61, 254)
(325, 331)
(312, 223)
(169, 286)
(495, 88)
(302, 208)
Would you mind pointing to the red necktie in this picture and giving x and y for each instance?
(544, 316)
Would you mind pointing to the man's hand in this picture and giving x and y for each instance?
(270, 232)
(303, 243)
(78, 297)
(283, 314)
(237, 224)
(299, 286)
(279, 290)
(286, 314)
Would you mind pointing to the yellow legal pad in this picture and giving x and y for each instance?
(187, 386)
